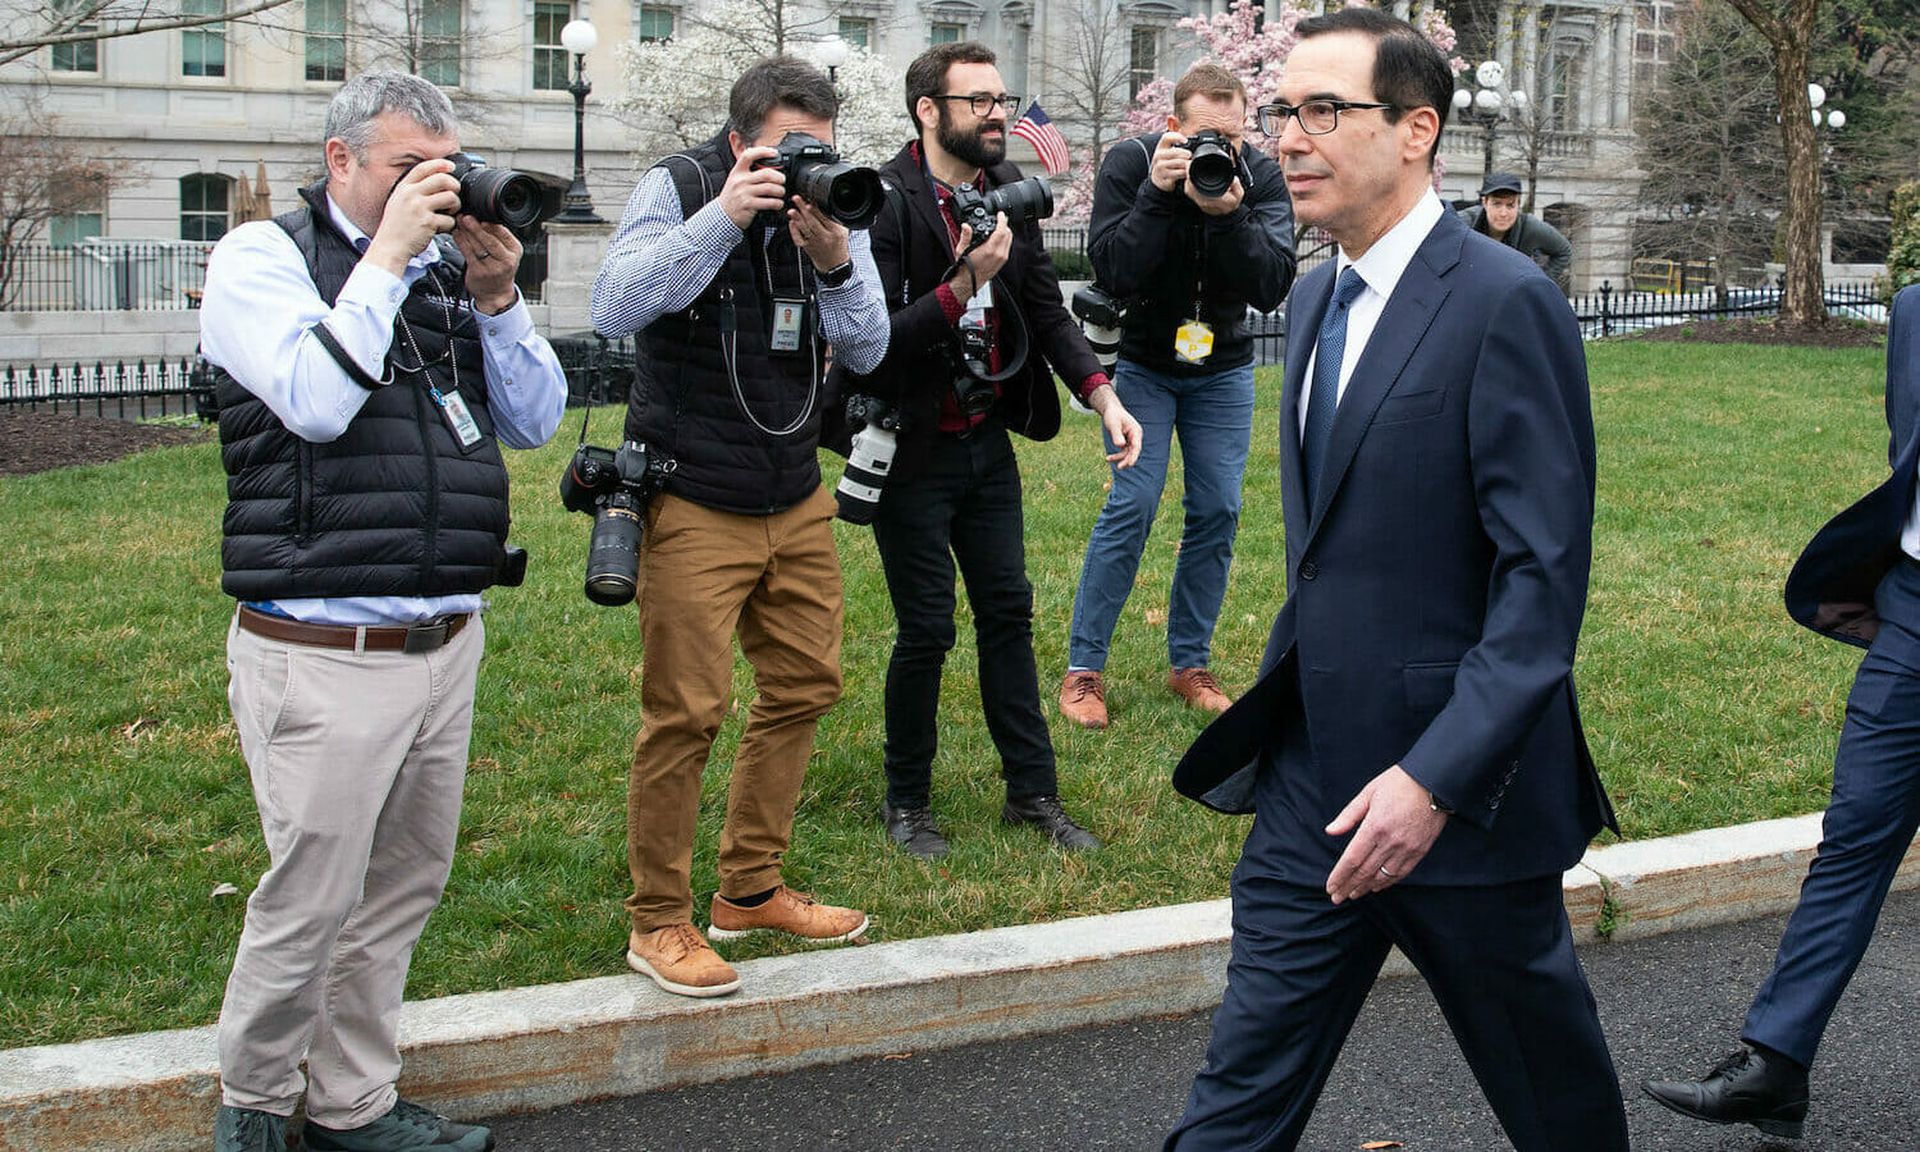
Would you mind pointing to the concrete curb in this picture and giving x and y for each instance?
(541, 1047)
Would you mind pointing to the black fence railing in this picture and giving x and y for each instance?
(1611, 312)
(101, 275)
(122, 390)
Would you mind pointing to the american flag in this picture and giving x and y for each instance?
(1038, 130)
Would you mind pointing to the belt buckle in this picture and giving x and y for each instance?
(426, 637)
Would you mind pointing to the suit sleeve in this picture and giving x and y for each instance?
(1902, 345)
(1250, 250)
(1530, 439)
(917, 323)
(1054, 333)
(1132, 218)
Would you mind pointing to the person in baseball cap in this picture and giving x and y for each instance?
(1498, 215)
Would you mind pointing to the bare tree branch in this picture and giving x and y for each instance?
(114, 26)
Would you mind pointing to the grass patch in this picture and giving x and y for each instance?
(124, 802)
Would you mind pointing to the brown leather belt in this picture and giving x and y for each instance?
(422, 637)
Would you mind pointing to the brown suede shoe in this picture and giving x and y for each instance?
(1083, 699)
(677, 959)
(1198, 688)
(794, 913)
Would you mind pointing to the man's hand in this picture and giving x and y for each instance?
(750, 191)
(1218, 205)
(820, 236)
(493, 255)
(1170, 158)
(1398, 826)
(985, 261)
(1123, 431)
(420, 206)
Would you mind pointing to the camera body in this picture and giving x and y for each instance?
(1212, 164)
(870, 460)
(614, 486)
(1102, 316)
(498, 195)
(1022, 201)
(816, 174)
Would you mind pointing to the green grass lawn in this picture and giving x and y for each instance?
(124, 802)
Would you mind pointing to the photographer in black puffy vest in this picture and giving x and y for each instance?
(736, 287)
(370, 349)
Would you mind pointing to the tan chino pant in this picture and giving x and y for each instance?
(706, 577)
(357, 763)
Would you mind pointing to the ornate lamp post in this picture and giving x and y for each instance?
(579, 37)
(1489, 104)
(832, 52)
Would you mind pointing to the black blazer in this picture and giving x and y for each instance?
(1831, 587)
(1437, 585)
(917, 370)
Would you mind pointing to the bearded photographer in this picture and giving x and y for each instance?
(978, 333)
(370, 348)
(1193, 250)
(736, 289)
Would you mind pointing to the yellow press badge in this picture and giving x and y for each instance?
(1193, 342)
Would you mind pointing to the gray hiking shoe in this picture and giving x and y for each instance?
(248, 1130)
(407, 1127)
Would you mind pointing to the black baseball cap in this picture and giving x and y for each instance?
(1499, 182)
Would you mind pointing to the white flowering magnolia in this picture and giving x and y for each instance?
(674, 92)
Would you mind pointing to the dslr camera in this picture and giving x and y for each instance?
(614, 486)
(1213, 165)
(815, 173)
(1101, 316)
(498, 195)
(870, 460)
(1022, 201)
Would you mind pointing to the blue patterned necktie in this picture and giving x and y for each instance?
(1328, 352)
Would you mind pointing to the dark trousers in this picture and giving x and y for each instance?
(1500, 962)
(963, 506)
(1868, 827)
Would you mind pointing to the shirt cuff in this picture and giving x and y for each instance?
(507, 329)
(712, 230)
(372, 286)
(950, 304)
(1090, 385)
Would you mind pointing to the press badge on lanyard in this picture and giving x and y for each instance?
(453, 406)
(1193, 342)
(789, 319)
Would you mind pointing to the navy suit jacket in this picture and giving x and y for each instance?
(1438, 583)
(1831, 587)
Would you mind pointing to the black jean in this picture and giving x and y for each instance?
(964, 505)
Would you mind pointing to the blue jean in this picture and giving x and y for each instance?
(1213, 416)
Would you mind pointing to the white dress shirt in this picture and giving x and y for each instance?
(259, 304)
(1380, 268)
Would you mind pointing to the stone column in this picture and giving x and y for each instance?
(1503, 40)
(574, 252)
(1600, 58)
(1529, 48)
(1623, 69)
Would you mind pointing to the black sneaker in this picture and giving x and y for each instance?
(1045, 813)
(248, 1130)
(407, 1127)
(914, 830)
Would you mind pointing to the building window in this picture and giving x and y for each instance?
(203, 207)
(654, 25)
(1143, 59)
(440, 42)
(1652, 42)
(81, 55)
(945, 33)
(67, 230)
(549, 55)
(858, 33)
(327, 40)
(203, 49)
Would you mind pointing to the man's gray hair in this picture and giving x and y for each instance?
(368, 96)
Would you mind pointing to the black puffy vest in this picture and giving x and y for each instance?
(391, 508)
(683, 393)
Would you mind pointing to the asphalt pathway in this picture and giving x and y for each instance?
(1671, 1006)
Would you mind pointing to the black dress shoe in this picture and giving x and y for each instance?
(914, 830)
(1045, 813)
(1753, 1086)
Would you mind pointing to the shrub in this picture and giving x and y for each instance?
(1903, 253)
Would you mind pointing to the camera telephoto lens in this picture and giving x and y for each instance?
(613, 553)
(1211, 169)
(1022, 200)
(850, 195)
(501, 196)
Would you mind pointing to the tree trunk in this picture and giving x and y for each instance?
(1802, 302)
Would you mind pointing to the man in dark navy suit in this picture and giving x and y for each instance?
(1412, 750)
(1858, 581)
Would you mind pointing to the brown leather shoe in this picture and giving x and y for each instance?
(677, 959)
(1198, 688)
(1083, 699)
(794, 913)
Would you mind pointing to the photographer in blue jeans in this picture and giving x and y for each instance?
(1189, 255)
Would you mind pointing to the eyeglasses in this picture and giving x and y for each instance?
(1317, 117)
(983, 104)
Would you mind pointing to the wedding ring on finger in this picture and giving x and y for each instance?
(1384, 872)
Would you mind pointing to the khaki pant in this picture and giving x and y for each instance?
(705, 577)
(357, 763)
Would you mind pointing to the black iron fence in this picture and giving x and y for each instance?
(125, 391)
(103, 275)
(1611, 312)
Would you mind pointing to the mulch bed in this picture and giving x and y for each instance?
(39, 441)
(1830, 333)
